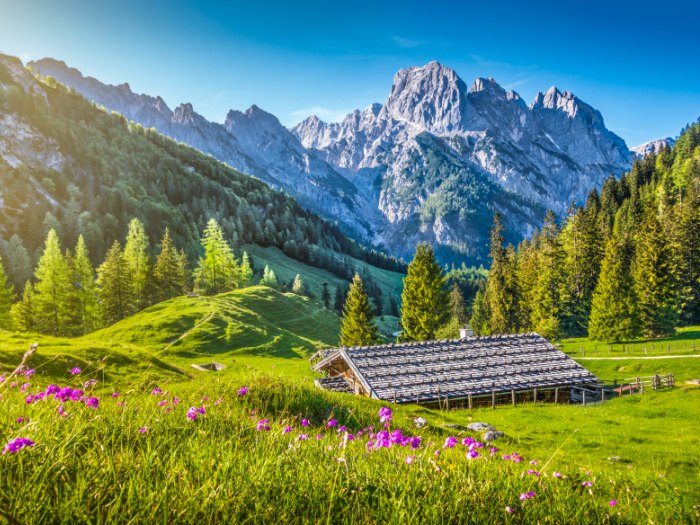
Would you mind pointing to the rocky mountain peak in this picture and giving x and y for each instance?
(488, 85)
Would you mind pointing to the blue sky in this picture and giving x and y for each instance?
(637, 62)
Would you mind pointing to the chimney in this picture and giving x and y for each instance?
(466, 332)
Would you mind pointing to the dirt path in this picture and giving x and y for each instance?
(188, 332)
(633, 357)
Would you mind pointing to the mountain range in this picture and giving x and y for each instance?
(432, 163)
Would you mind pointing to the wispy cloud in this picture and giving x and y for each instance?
(325, 114)
(407, 43)
(516, 83)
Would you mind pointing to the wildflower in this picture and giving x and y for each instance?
(472, 454)
(156, 391)
(121, 404)
(510, 510)
(75, 371)
(263, 425)
(162, 403)
(613, 502)
(587, 484)
(29, 372)
(52, 389)
(92, 402)
(205, 398)
(23, 419)
(115, 394)
(533, 462)
(16, 445)
(24, 387)
(527, 495)
(557, 474)
(410, 459)
(304, 422)
(218, 402)
(287, 430)
(89, 383)
(331, 423)
(531, 472)
(193, 413)
(319, 436)
(385, 414)
(143, 430)
(176, 400)
(302, 437)
(62, 411)
(243, 391)
(450, 442)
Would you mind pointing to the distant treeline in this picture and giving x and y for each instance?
(624, 265)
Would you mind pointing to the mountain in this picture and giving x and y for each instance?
(652, 147)
(70, 166)
(433, 162)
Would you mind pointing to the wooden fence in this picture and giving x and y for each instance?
(636, 385)
(646, 348)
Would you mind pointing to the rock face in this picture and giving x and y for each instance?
(433, 163)
(652, 147)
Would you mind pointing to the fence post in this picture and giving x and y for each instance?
(584, 397)
(470, 401)
(534, 395)
(493, 399)
(602, 395)
(642, 387)
(512, 395)
(556, 395)
(637, 383)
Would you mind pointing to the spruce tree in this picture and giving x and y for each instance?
(479, 321)
(269, 278)
(167, 272)
(298, 285)
(138, 262)
(218, 269)
(458, 310)
(326, 296)
(546, 293)
(357, 327)
(614, 316)
(7, 296)
(88, 302)
(52, 289)
(527, 274)
(655, 282)
(23, 312)
(116, 289)
(425, 307)
(339, 300)
(501, 287)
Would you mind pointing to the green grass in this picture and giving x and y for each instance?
(95, 466)
(685, 342)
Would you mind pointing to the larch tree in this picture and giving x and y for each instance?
(424, 304)
(53, 288)
(269, 278)
(545, 302)
(246, 271)
(298, 285)
(501, 287)
(357, 327)
(218, 269)
(23, 311)
(138, 262)
(116, 289)
(168, 281)
(326, 296)
(89, 314)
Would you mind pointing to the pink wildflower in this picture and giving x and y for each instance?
(331, 423)
(304, 422)
(75, 371)
(243, 391)
(410, 459)
(385, 414)
(613, 502)
(16, 445)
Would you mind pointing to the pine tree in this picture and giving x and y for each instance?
(269, 278)
(298, 285)
(326, 296)
(184, 276)
(654, 278)
(23, 312)
(424, 302)
(53, 288)
(546, 294)
(339, 301)
(167, 271)
(116, 290)
(7, 296)
(246, 271)
(458, 310)
(218, 269)
(357, 327)
(138, 262)
(614, 316)
(501, 287)
(527, 274)
(479, 321)
(88, 302)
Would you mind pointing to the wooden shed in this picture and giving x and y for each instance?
(473, 371)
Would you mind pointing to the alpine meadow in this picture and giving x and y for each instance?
(451, 306)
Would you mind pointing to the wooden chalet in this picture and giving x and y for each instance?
(473, 371)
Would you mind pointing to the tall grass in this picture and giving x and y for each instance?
(137, 458)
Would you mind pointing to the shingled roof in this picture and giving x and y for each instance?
(428, 371)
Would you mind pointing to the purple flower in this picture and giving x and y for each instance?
(115, 394)
(193, 413)
(304, 422)
(218, 402)
(287, 430)
(243, 391)
(156, 391)
(75, 371)
(319, 436)
(531, 472)
(205, 398)
(303, 437)
(331, 423)
(472, 454)
(143, 430)
(557, 474)
(410, 459)
(22, 419)
(16, 445)
(176, 400)
(92, 402)
(89, 383)
(29, 372)
(62, 411)
(52, 389)
(527, 495)
(385, 414)
(613, 502)
(450, 442)
(263, 425)
(587, 484)
(510, 510)
(24, 387)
